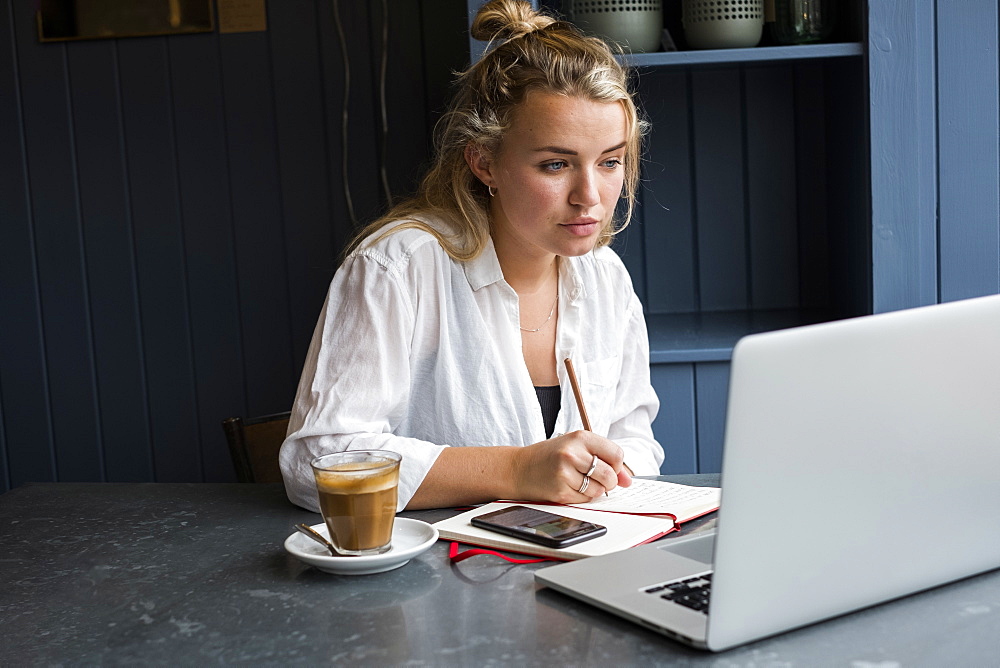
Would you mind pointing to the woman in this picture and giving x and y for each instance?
(448, 321)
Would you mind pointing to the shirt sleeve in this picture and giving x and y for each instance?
(355, 382)
(636, 403)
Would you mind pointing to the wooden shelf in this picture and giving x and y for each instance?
(760, 54)
(711, 336)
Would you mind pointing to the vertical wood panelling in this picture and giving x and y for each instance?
(154, 193)
(719, 184)
(668, 215)
(771, 187)
(210, 272)
(851, 228)
(362, 124)
(405, 87)
(903, 154)
(675, 426)
(969, 123)
(444, 49)
(333, 72)
(359, 182)
(23, 386)
(711, 388)
(111, 273)
(59, 256)
(262, 299)
(302, 169)
(630, 246)
(811, 185)
(171, 212)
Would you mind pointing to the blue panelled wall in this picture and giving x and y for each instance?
(785, 192)
(789, 185)
(753, 217)
(781, 193)
(171, 212)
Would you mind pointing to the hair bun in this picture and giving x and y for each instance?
(504, 20)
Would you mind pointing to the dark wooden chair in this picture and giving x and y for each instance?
(254, 445)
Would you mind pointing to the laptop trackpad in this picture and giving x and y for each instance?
(700, 548)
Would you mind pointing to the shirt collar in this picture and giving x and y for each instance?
(572, 284)
(485, 270)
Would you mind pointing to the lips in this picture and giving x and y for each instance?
(582, 227)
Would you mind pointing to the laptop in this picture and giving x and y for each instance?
(850, 448)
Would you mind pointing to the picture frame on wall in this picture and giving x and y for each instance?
(65, 20)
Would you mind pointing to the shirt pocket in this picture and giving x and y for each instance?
(598, 382)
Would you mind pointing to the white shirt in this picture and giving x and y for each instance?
(415, 352)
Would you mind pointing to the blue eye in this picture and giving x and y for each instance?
(554, 166)
(612, 163)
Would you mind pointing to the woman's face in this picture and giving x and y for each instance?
(557, 175)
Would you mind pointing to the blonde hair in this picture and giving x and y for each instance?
(526, 51)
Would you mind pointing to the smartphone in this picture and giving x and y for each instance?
(538, 526)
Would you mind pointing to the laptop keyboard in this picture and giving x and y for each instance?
(692, 592)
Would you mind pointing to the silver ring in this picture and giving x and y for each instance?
(593, 467)
(586, 483)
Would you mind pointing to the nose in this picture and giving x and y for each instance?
(585, 191)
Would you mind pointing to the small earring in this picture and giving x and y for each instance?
(492, 191)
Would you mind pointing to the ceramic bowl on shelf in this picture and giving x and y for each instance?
(723, 24)
(635, 24)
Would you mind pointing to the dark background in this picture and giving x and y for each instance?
(171, 213)
(172, 210)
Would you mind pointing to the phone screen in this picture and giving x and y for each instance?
(539, 526)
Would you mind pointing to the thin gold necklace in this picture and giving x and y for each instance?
(551, 313)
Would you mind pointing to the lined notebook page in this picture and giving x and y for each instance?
(657, 497)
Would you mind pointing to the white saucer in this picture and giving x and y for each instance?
(409, 538)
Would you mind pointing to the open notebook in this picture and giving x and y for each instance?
(644, 511)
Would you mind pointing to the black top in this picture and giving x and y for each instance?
(548, 399)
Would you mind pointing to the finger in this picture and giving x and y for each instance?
(604, 477)
(601, 472)
(597, 489)
(600, 487)
(599, 482)
(608, 451)
(597, 473)
(586, 444)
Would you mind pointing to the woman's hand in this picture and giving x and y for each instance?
(554, 470)
(548, 471)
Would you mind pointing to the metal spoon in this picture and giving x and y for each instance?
(318, 537)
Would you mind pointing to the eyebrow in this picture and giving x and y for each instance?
(567, 151)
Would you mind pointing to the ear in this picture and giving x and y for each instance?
(480, 163)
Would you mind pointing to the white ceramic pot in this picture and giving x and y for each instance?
(723, 24)
(635, 24)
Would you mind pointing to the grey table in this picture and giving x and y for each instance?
(195, 574)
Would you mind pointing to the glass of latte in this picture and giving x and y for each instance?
(357, 497)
